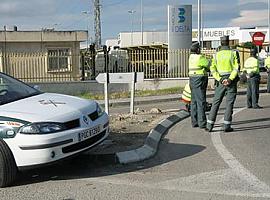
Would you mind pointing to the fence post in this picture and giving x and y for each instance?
(134, 77)
(93, 61)
(83, 65)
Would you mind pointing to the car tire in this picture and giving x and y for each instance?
(8, 168)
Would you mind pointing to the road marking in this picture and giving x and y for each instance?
(234, 181)
(236, 166)
(221, 182)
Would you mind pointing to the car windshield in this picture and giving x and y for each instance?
(13, 90)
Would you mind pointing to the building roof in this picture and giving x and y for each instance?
(42, 36)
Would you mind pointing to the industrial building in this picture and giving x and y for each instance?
(211, 37)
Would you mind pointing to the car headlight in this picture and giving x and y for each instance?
(100, 111)
(42, 128)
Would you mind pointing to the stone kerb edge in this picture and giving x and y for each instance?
(150, 147)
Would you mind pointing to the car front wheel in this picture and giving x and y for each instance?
(8, 168)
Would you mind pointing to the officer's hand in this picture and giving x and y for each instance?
(225, 82)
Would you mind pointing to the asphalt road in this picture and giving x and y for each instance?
(190, 164)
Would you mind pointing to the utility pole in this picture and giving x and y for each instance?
(142, 20)
(199, 23)
(97, 25)
(131, 12)
(268, 27)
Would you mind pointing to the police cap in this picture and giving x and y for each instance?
(253, 52)
(224, 40)
(195, 47)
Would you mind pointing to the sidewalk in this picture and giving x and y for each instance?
(151, 143)
(163, 98)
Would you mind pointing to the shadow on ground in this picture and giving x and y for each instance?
(88, 166)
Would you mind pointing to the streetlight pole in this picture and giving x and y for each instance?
(87, 41)
(199, 22)
(201, 16)
(131, 12)
(268, 27)
(142, 20)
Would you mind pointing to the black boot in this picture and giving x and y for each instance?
(209, 127)
(228, 129)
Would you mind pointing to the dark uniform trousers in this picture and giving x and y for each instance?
(253, 90)
(230, 91)
(198, 86)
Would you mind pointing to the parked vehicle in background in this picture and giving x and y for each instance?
(118, 61)
(39, 128)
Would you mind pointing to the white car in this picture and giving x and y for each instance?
(41, 128)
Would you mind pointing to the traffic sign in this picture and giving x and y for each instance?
(120, 77)
(132, 78)
(258, 38)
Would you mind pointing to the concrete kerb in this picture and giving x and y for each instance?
(151, 144)
(152, 141)
(154, 137)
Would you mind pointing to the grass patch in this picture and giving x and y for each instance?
(138, 93)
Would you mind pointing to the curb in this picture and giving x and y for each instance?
(151, 144)
(156, 99)
(153, 139)
(139, 101)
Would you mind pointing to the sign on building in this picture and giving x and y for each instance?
(179, 32)
(179, 26)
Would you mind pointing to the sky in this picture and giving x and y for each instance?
(115, 18)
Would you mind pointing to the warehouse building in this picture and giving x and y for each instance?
(211, 37)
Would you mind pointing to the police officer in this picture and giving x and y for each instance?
(224, 68)
(198, 79)
(186, 97)
(251, 69)
(267, 66)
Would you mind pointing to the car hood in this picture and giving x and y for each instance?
(48, 107)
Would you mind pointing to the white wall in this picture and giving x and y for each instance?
(210, 34)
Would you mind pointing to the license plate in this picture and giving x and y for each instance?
(88, 133)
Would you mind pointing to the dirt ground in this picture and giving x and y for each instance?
(129, 131)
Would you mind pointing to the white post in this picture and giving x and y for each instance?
(106, 96)
(142, 20)
(201, 26)
(199, 21)
(268, 27)
(132, 93)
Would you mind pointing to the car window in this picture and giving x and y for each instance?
(12, 89)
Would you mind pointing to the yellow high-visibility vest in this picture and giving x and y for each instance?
(251, 65)
(186, 96)
(198, 65)
(224, 63)
(267, 62)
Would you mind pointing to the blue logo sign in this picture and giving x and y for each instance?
(181, 15)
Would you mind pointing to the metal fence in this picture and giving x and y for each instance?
(161, 63)
(41, 67)
(61, 66)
